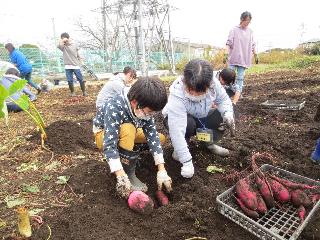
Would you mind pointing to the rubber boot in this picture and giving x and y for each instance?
(83, 89)
(220, 151)
(71, 87)
(315, 156)
(129, 161)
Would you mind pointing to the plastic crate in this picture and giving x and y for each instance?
(278, 223)
(283, 104)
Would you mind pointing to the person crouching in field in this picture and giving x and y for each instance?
(7, 80)
(115, 85)
(189, 112)
(227, 77)
(115, 128)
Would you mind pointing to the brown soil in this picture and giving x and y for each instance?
(87, 207)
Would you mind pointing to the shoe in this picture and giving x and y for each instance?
(38, 91)
(187, 169)
(315, 161)
(72, 94)
(85, 94)
(315, 156)
(220, 151)
(129, 166)
(136, 184)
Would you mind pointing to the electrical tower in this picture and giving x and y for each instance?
(138, 27)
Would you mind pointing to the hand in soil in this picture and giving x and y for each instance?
(123, 186)
(164, 180)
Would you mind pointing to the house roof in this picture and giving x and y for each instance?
(312, 40)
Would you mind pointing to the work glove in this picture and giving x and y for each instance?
(123, 186)
(228, 120)
(225, 58)
(164, 180)
(187, 169)
(256, 58)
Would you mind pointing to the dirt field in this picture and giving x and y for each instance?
(87, 208)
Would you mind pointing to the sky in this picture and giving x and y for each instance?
(275, 23)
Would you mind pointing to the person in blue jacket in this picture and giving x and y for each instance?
(23, 65)
(7, 80)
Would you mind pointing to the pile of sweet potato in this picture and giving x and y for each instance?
(265, 190)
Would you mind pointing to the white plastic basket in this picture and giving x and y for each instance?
(279, 223)
(283, 104)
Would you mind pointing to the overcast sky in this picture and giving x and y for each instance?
(276, 23)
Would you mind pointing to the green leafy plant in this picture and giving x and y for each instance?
(62, 180)
(24, 103)
(214, 169)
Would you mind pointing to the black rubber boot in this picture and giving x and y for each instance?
(129, 161)
(83, 89)
(71, 87)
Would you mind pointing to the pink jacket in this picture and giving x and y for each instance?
(242, 45)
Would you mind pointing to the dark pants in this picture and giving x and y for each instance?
(27, 76)
(77, 72)
(13, 107)
(230, 92)
(212, 121)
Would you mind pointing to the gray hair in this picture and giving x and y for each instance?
(245, 15)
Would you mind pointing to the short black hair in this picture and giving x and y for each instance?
(245, 15)
(13, 71)
(65, 35)
(228, 75)
(197, 75)
(9, 46)
(130, 70)
(149, 92)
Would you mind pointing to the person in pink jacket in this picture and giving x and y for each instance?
(240, 47)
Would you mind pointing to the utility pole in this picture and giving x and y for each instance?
(104, 21)
(173, 67)
(55, 44)
(142, 52)
(136, 32)
(302, 31)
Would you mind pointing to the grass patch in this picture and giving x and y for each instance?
(298, 63)
(170, 78)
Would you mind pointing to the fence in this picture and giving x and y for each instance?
(48, 63)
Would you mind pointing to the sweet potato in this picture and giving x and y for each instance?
(162, 198)
(262, 207)
(301, 213)
(280, 193)
(299, 197)
(140, 202)
(315, 198)
(293, 185)
(265, 191)
(246, 194)
(250, 213)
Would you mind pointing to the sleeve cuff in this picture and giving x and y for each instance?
(115, 164)
(96, 129)
(158, 158)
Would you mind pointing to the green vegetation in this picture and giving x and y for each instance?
(24, 103)
(170, 78)
(297, 62)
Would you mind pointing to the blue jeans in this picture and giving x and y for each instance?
(240, 76)
(27, 76)
(77, 72)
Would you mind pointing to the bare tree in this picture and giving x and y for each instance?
(92, 34)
